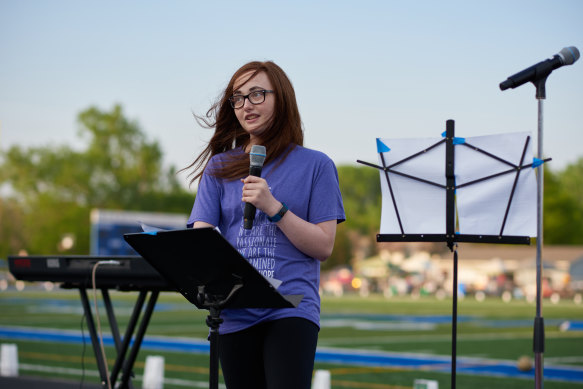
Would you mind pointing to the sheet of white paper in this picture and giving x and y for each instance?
(420, 206)
(482, 206)
(148, 228)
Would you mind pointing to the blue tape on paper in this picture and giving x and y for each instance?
(537, 162)
(456, 140)
(381, 147)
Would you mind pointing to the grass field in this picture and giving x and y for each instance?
(492, 329)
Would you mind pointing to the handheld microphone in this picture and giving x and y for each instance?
(541, 70)
(256, 159)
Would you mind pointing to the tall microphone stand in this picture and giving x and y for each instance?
(539, 328)
(538, 74)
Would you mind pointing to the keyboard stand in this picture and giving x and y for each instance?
(122, 364)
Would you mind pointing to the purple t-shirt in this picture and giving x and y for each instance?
(307, 181)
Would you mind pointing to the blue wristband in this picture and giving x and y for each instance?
(277, 217)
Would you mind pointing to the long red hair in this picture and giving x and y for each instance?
(284, 133)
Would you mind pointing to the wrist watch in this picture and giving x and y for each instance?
(277, 217)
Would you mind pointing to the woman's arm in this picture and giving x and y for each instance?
(315, 240)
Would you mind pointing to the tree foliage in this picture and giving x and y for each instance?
(361, 194)
(48, 192)
(51, 190)
(563, 205)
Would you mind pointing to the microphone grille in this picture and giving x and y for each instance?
(569, 55)
(257, 155)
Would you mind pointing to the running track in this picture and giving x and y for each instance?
(474, 366)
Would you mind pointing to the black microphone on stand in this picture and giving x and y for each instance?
(541, 70)
(256, 159)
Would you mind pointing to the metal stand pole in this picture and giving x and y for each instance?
(214, 303)
(539, 329)
(454, 322)
(214, 321)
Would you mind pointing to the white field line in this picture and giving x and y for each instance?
(95, 373)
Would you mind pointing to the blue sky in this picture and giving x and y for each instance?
(361, 69)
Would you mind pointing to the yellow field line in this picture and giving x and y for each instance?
(350, 384)
(71, 358)
(360, 370)
(50, 357)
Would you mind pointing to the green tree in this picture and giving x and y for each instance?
(52, 189)
(572, 181)
(12, 234)
(122, 165)
(343, 248)
(361, 195)
(563, 205)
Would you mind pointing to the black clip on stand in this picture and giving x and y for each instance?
(214, 304)
(211, 274)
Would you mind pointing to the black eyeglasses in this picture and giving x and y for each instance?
(255, 97)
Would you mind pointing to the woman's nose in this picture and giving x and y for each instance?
(247, 104)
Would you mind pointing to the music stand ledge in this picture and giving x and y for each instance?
(211, 274)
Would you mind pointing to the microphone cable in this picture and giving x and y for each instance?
(99, 333)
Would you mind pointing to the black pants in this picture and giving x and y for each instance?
(277, 354)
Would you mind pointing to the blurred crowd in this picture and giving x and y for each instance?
(423, 274)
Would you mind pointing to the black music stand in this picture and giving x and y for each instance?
(451, 237)
(211, 274)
